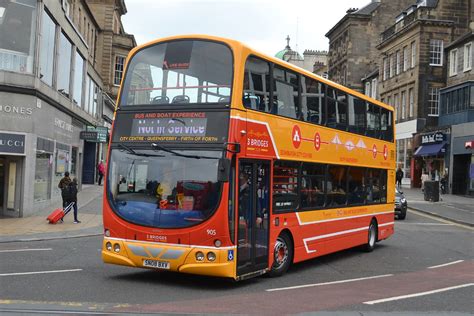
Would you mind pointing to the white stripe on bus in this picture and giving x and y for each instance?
(306, 240)
(339, 219)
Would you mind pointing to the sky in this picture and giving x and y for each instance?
(261, 24)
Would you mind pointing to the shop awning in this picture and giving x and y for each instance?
(429, 150)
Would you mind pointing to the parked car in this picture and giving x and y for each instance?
(401, 205)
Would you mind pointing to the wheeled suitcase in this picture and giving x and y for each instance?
(59, 213)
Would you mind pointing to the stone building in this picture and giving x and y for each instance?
(314, 61)
(51, 90)
(353, 53)
(412, 71)
(457, 112)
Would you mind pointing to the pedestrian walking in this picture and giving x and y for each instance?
(101, 171)
(399, 177)
(63, 184)
(72, 198)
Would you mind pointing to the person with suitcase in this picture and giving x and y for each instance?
(63, 184)
(72, 198)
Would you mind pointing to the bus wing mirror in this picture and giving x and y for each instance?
(223, 170)
(232, 147)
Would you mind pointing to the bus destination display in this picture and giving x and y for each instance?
(192, 127)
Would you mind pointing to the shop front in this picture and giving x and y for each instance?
(431, 157)
(38, 143)
(12, 152)
(462, 177)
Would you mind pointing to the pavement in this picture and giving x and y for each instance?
(36, 227)
(454, 208)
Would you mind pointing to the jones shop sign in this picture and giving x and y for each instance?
(12, 143)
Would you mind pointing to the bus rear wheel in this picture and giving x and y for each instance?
(372, 237)
(282, 255)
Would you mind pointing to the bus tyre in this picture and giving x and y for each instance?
(282, 255)
(372, 237)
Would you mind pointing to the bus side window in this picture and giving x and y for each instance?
(356, 111)
(386, 125)
(373, 120)
(285, 93)
(256, 85)
(336, 109)
(313, 101)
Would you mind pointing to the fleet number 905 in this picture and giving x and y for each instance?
(211, 232)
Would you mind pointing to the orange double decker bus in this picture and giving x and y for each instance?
(226, 162)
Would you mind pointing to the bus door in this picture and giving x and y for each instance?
(253, 216)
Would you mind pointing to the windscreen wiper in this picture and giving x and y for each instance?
(159, 147)
(133, 152)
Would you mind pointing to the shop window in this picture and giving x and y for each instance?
(43, 170)
(285, 186)
(313, 185)
(74, 161)
(17, 35)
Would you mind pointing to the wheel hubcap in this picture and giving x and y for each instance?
(372, 235)
(280, 253)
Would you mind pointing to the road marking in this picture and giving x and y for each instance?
(446, 264)
(327, 283)
(427, 224)
(21, 250)
(47, 312)
(395, 298)
(39, 272)
(440, 219)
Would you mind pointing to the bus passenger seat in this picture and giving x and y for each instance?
(180, 99)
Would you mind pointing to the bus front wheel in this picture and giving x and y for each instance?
(282, 255)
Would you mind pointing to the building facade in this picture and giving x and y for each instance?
(412, 68)
(457, 112)
(314, 61)
(51, 90)
(353, 53)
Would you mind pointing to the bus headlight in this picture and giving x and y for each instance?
(199, 256)
(117, 248)
(108, 246)
(211, 256)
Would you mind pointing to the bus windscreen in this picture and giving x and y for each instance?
(179, 72)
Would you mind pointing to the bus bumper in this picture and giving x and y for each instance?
(169, 257)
